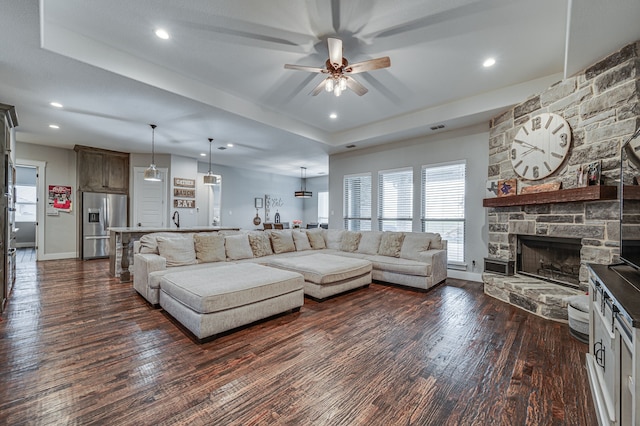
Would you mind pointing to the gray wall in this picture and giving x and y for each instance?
(468, 144)
(60, 232)
(241, 186)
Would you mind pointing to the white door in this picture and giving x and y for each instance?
(149, 200)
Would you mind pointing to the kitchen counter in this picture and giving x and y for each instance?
(121, 245)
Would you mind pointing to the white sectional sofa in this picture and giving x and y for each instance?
(411, 259)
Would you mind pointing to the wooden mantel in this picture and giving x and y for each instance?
(589, 193)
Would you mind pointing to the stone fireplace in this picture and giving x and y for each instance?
(602, 106)
(552, 259)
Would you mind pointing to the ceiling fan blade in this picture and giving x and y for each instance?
(373, 64)
(319, 88)
(303, 68)
(335, 52)
(358, 88)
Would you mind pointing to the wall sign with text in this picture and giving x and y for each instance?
(184, 183)
(179, 203)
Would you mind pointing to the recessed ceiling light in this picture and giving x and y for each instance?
(230, 145)
(202, 154)
(162, 33)
(56, 104)
(54, 126)
(333, 115)
(489, 62)
(350, 146)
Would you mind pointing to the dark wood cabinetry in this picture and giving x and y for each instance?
(101, 170)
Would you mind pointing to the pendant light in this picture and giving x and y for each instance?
(152, 174)
(303, 193)
(209, 178)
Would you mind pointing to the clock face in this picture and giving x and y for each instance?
(540, 146)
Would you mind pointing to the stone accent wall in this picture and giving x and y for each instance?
(602, 105)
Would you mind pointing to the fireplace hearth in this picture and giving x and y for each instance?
(551, 259)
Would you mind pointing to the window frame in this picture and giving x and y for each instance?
(381, 203)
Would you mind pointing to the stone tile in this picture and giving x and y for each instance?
(628, 52)
(523, 303)
(527, 107)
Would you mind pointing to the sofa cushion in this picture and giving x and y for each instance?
(400, 266)
(350, 241)
(415, 242)
(282, 241)
(237, 247)
(177, 251)
(301, 240)
(370, 242)
(391, 244)
(149, 242)
(260, 244)
(319, 268)
(229, 286)
(209, 247)
(333, 238)
(316, 239)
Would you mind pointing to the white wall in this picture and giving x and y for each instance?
(470, 144)
(60, 232)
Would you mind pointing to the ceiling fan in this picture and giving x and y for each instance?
(339, 71)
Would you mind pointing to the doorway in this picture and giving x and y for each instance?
(149, 206)
(29, 215)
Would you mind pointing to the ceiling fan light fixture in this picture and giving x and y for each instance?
(152, 174)
(328, 86)
(337, 90)
(343, 83)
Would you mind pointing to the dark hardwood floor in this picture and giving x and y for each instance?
(79, 347)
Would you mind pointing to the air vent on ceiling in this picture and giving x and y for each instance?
(222, 148)
(350, 146)
(437, 127)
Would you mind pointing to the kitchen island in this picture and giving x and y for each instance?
(121, 245)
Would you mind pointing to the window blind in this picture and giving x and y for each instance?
(443, 195)
(357, 202)
(395, 200)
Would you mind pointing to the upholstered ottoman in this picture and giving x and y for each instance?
(326, 275)
(210, 301)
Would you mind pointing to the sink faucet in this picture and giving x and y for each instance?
(176, 218)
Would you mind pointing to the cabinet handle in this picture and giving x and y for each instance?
(603, 302)
(614, 315)
(598, 354)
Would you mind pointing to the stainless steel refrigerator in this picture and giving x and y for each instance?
(99, 213)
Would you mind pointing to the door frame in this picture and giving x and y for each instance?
(41, 167)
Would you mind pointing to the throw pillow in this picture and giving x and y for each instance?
(260, 244)
(177, 251)
(334, 236)
(210, 248)
(390, 244)
(282, 242)
(350, 241)
(301, 240)
(149, 243)
(369, 242)
(415, 242)
(316, 240)
(237, 247)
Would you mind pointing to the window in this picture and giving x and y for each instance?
(26, 201)
(395, 200)
(357, 202)
(323, 207)
(443, 193)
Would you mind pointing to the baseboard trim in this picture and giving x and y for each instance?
(464, 275)
(58, 256)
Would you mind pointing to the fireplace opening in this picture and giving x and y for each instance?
(551, 259)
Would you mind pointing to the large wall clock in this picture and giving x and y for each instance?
(540, 146)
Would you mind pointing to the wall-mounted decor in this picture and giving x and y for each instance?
(507, 187)
(593, 173)
(185, 193)
(492, 188)
(258, 203)
(184, 204)
(59, 198)
(544, 187)
(184, 183)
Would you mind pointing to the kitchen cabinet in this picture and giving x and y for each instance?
(613, 361)
(101, 170)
